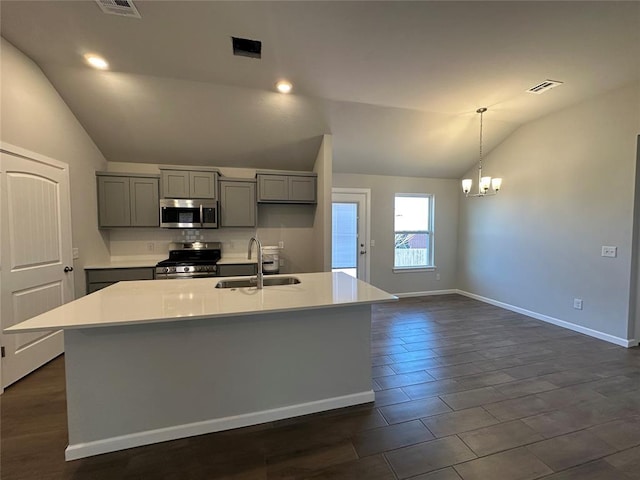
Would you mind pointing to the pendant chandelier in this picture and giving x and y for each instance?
(484, 183)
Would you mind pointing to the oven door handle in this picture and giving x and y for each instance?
(201, 216)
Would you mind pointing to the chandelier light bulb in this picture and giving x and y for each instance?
(496, 183)
(466, 185)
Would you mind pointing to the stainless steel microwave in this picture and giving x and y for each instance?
(182, 213)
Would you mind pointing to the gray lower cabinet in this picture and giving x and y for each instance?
(299, 188)
(237, 203)
(128, 201)
(237, 269)
(189, 184)
(103, 277)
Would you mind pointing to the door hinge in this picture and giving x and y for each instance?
(2, 355)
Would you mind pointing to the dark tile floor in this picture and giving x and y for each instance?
(464, 390)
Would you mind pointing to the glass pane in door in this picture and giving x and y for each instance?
(344, 255)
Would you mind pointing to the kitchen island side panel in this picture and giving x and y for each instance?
(126, 384)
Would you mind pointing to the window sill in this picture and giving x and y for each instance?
(414, 269)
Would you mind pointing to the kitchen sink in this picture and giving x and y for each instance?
(251, 282)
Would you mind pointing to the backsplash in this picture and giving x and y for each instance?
(155, 241)
(290, 224)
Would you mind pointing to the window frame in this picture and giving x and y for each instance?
(430, 266)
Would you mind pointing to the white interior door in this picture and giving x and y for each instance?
(350, 232)
(35, 253)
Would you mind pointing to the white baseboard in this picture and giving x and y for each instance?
(81, 450)
(426, 294)
(623, 342)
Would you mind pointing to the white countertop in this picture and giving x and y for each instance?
(147, 301)
(236, 258)
(122, 262)
(151, 260)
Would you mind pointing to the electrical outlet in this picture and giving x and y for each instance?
(372, 243)
(438, 276)
(577, 303)
(609, 251)
(150, 246)
(282, 262)
(281, 244)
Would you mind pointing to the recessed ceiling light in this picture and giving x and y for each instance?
(96, 62)
(284, 86)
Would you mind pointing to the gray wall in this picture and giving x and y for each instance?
(383, 189)
(36, 118)
(568, 189)
(322, 221)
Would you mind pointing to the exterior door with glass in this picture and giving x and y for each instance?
(350, 232)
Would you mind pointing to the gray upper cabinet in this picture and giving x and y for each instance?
(144, 194)
(189, 184)
(203, 184)
(296, 188)
(273, 188)
(302, 189)
(175, 184)
(237, 203)
(127, 201)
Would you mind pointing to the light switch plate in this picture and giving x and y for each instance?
(75, 253)
(577, 303)
(609, 251)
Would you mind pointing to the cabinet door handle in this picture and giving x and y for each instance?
(68, 269)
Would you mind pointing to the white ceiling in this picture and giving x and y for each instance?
(396, 83)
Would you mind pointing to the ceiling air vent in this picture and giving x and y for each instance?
(544, 86)
(124, 8)
(244, 47)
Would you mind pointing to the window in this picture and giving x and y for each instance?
(413, 228)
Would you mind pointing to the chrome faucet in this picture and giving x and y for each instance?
(259, 276)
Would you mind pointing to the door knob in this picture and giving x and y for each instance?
(68, 269)
(362, 252)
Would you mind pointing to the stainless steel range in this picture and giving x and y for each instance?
(190, 260)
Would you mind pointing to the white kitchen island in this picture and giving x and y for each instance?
(150, 361)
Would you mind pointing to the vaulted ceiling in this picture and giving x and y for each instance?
(396, 83)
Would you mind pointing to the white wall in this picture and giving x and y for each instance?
(568, 189)
(36, 118)
(383, 190)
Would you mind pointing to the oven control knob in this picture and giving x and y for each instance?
(166, 269)
(186, 269)
(172, 269)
